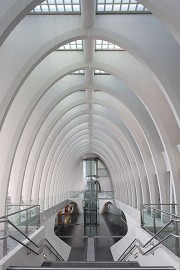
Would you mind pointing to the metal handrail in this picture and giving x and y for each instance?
(30, 249)
(121, 257)
(17, 212)
(158, 204)
(159, 210)
(5, 220)
(166, 237)
(124, 255)
(8, 221)
(23, 244)
(61, 259)
(154, 236)
(146, 252)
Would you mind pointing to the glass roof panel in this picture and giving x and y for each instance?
(76, 45)
(120, 6)
(102, 45)
(100, 72)
(78, 72)
(58, 6)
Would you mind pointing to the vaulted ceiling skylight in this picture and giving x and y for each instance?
(58, 6)
(76, 45)
(100, 72)
(78, 72)
(102, 45)
(120, 6)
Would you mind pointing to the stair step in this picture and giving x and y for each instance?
(108, 264)
(129, 265)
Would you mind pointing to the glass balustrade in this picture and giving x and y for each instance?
(100, 194)
(163, 225)
(19, 220)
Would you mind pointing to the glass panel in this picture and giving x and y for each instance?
(108, 8)
(44, 8)
(22, 219)
(65, 6)
(140, 7)
(100, 72)
(101, 7)
(116, 8)
(76, 8)
(60, 8)
(124, 7)
(132, 7)
(74, 45)
(128, 6)
(37, 9)
(52, 8)
(68, 8)
(105, 45)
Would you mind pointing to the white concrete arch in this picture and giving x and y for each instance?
(59, 156)
(158, 57)
(78, 119)
(114, 40)
(126, 177)
(168, 13)
(126, 156)
(12, 12)
(104, 155)
(48, 152)
(112, 152)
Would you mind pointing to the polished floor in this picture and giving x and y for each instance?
(109, 230)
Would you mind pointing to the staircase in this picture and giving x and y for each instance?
(50, 265)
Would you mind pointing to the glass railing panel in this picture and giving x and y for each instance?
(11, 243)
(22, 219)
(76, 194)
(162, 225)
(33, 219)
(105, 195)
(147, 219)
(170, 243)
(100, 194)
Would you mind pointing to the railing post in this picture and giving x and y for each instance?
(177, 250)
(154, 221)
(142, 216)
(5, 247)
(38, 210)
(26, 230)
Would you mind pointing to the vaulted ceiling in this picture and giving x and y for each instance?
(89, 79)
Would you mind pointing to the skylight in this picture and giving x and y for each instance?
(76, 45)
(100, 72)
(102, 45)
(120, 6)
(58, 6)
(78, 72)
